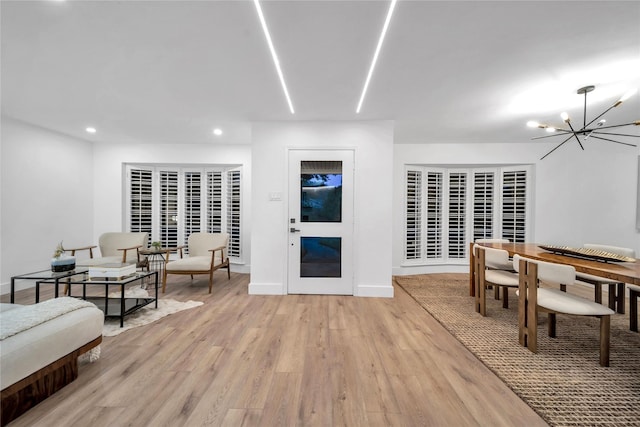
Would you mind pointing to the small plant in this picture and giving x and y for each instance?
(156, 245)
(59, 250)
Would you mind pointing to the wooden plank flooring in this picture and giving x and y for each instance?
(304, 360)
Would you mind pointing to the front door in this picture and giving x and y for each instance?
(320, 222)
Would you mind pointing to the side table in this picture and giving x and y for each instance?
(159, 257)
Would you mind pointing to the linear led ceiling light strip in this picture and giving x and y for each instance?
(375, 55)
(273, 53)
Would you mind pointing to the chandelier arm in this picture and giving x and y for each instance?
(601, 114)
(617, 126)
(551, 136)
(574, 134)
(557, 146)
(615, 134)
(611, 140)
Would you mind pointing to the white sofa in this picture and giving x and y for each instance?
(39, 349)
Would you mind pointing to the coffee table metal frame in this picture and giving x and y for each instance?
(45, 276)
(107, 304)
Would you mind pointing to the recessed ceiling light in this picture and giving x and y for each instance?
(273, 53)
(91, 130)
(375, 55)
(217, 131)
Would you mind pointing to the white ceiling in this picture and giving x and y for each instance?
(449, 71)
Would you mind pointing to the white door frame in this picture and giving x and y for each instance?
(345, 285)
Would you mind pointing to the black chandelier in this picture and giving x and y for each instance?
(599, 130)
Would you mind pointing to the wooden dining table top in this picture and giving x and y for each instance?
(626, 272)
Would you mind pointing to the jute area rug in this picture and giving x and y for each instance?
(563, 382)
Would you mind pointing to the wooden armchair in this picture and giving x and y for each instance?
(206, 255)
(115, 247)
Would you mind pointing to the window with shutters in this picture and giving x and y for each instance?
(233, 212)
(413, 211)
(514, 205)
(171, 202)
(141, 199)
(483, 188)
(447, 208)
(433, 227)
(457, 215)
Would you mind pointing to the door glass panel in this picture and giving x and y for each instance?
(321, 191)
(320, 257)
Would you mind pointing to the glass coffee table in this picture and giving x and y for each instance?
(46, 276)
(116, 304)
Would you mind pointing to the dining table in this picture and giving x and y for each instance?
(623, 272)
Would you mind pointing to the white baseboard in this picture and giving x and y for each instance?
(240, 268)
(376, 291)
(266, 289)
(429, 269)
(5, 288)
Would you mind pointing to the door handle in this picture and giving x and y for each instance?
(294, 230)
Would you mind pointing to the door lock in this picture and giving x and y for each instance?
(294, 230)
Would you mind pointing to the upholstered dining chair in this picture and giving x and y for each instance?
(533, 299)
(507, 266)
(616, 288)
(206, 255)
(492, 268)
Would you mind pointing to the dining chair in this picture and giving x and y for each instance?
(616, 288)
(533, 299)
(506, 267)
(492, 268)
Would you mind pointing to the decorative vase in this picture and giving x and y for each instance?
(63, 263)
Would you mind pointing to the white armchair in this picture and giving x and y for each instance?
(114, 247)
(206, 255)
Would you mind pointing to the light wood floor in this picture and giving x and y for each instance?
(283, 361)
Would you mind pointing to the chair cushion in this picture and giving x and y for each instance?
(192, 263)
(562, 302)
(501, 278)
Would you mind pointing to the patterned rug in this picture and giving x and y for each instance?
(563, 382)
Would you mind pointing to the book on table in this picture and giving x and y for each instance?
(113, 270)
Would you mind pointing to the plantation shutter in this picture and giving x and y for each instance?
(434, 215)
(514, 205)
(483, 199)
(214, 202)
(413, 212)
(141, 200)
(457, 215)
(233, 212)
(192, 203)
(446, 208)
(169, 209)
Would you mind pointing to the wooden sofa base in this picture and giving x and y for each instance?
(18, 398)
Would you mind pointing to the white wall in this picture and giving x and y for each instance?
(109, 179)
(373, 145)
(47, 197)
(579, 196)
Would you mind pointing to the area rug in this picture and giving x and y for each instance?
(147, 314)
(563, 382)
